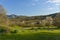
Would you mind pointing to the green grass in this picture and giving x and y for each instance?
(32, 35)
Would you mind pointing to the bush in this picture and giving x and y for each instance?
(2, 30)
(32, 29)
(15, 31)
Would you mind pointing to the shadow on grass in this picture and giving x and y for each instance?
(34, 36)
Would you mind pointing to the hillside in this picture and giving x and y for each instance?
(34, 17)
(34, 20)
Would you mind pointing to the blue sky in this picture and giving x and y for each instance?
(31, 7)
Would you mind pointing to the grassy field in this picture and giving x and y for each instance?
(32, 35)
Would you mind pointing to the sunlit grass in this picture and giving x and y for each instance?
(40, 34)
(26, 35)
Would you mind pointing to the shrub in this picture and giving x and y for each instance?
(15, 31)
(2, 30)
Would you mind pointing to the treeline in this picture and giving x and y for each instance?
(35, 21)
(29, 21)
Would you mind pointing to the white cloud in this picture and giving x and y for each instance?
(58, 5)
(54, 1)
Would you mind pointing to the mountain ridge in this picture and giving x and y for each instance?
(41, 16)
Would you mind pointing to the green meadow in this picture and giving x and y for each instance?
(32, 35)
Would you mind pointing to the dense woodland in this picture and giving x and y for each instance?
(7, 21)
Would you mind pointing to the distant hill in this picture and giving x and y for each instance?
(29, 21)
(33, 17)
